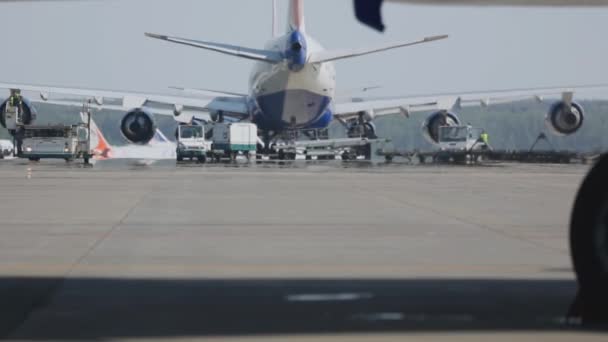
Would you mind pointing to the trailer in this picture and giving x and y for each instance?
(341, 148)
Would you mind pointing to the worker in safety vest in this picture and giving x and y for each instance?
(15, 103)
(485, 138)
(15, 99)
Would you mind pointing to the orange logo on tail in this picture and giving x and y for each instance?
(102, 150)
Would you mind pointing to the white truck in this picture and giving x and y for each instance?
(6, 148)
(461, 138)
(458, 143)
(67, 142)
(191, 143)
(232, 139)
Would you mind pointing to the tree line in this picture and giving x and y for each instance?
(510, 126)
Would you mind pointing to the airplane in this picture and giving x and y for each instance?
(160, 147)
(369, 11)
(293, 86)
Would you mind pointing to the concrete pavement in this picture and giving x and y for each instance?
(122, 251)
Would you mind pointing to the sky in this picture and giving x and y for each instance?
(101, 44)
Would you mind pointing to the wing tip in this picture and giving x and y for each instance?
(156, 36)
(433, 38)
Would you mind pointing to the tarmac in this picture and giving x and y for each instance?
(299, 251)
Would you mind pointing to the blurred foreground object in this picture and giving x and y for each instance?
(589, 245)
(369, 11)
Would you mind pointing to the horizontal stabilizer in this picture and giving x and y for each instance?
(208, 92)
(233, 50)
(332, 55)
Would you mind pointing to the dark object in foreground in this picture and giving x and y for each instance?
(368, 12)
(589, 245)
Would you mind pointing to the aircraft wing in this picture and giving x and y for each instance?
(450, 101)
(231, 105)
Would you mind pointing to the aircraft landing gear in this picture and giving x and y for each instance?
(361, 128)
(589, 246)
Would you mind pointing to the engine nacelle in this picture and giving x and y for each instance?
(28, 115)
(430, 127)
(564, 119)
(138, 126)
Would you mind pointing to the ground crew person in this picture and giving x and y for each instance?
(15, 102)
(485, 138)
(15, 99)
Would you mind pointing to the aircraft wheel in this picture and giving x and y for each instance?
(589, 243)
(370, 130)
(460, 159)
(202, 159)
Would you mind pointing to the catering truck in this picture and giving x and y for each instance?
(233, 139)
(67, 142)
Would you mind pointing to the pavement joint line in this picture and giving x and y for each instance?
(52, 290)
(107, 234)
(465, 221)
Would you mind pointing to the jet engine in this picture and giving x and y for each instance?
(564, 119)
(138, 126)
(28, 115)
(430, 127)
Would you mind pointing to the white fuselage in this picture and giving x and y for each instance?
(283, 96)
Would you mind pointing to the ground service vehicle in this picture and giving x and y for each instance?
(231, 139)
(460, 139)
(458, 143)
(191, 143)
(6, 148)
(67, 142)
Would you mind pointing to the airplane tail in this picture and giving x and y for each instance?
(296, 16)
(295, 22)
(102, 149)
(275, 20)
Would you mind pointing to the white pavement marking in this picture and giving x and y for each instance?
(328, 297)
